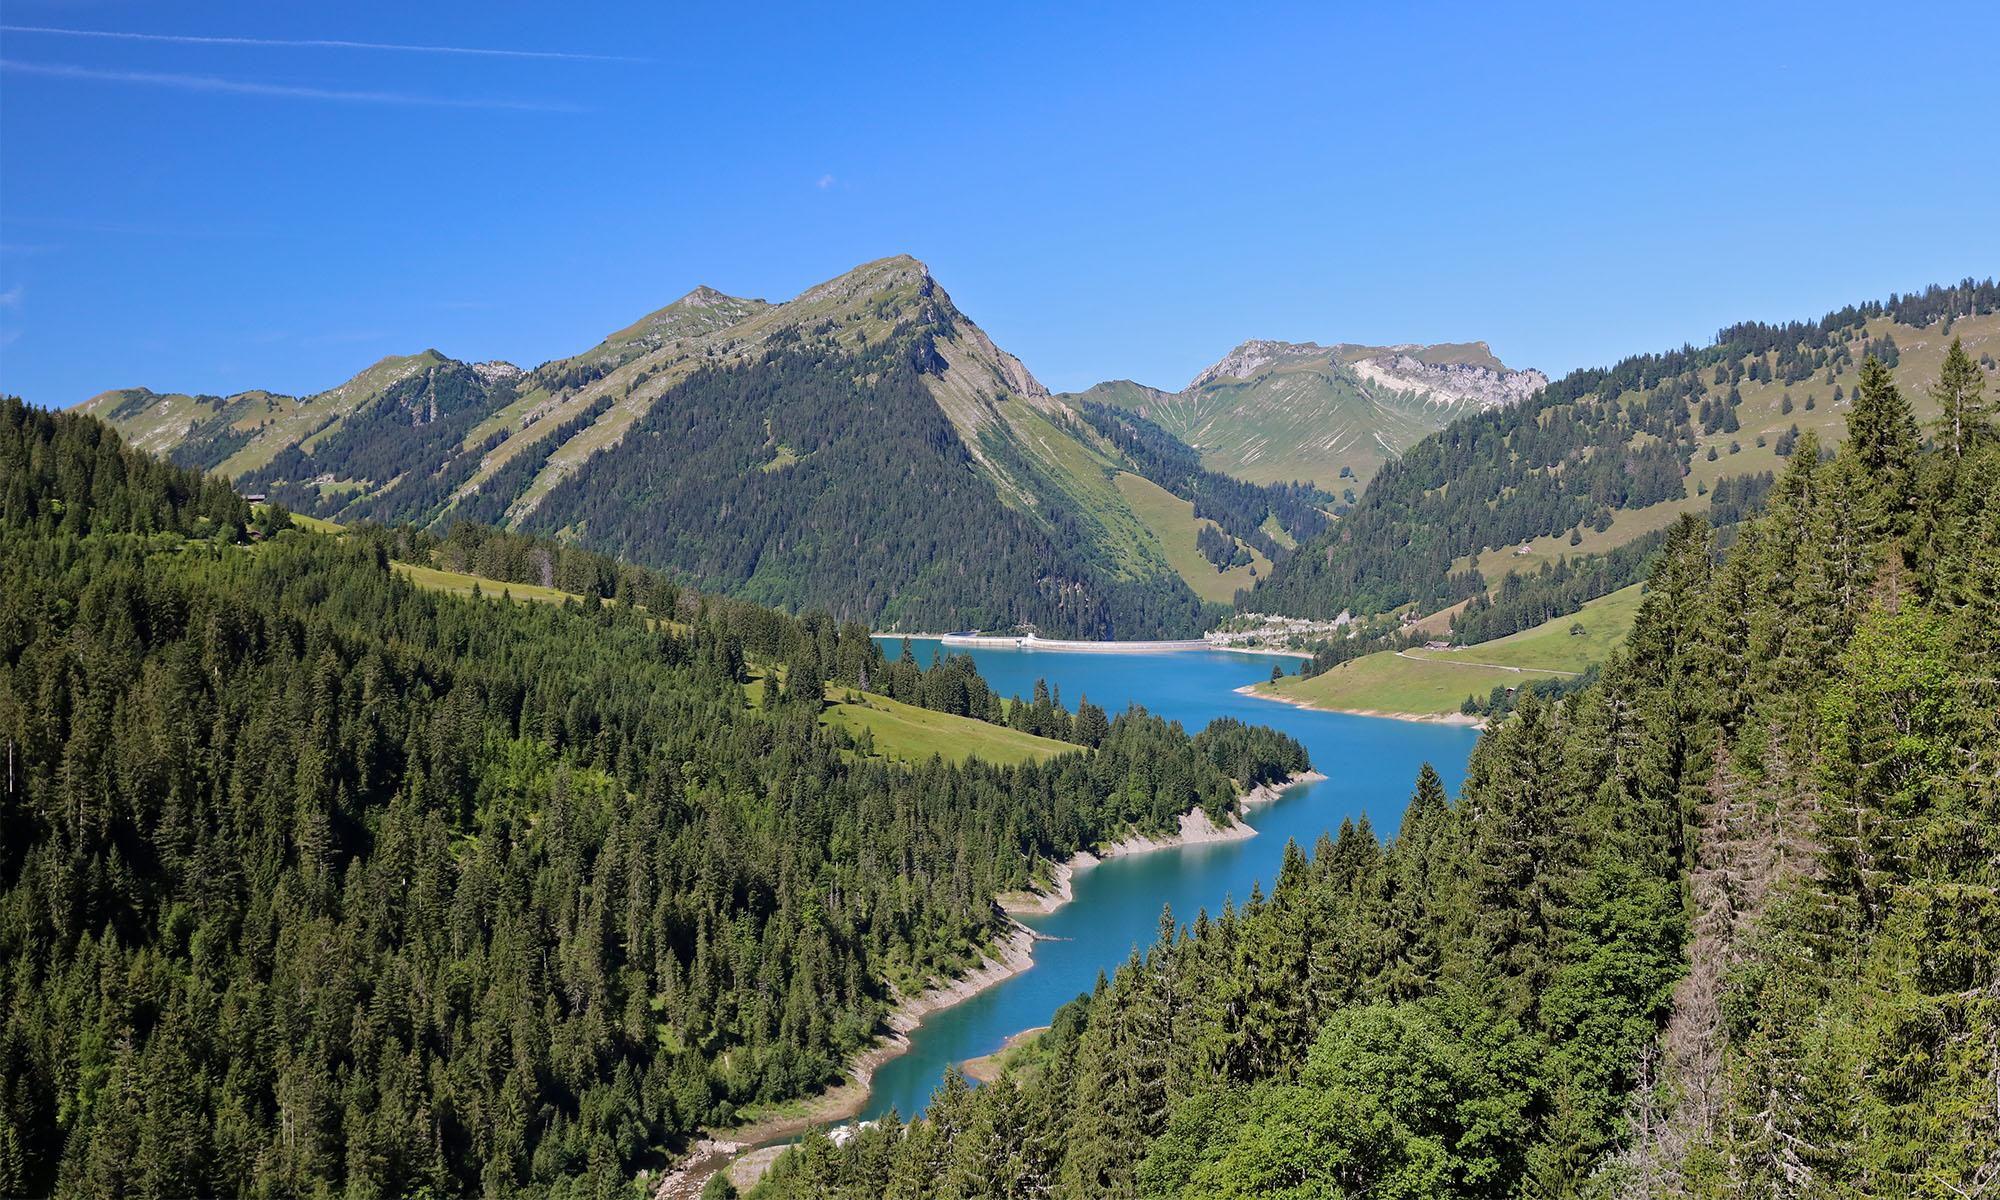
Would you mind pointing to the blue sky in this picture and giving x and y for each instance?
(1109, 191)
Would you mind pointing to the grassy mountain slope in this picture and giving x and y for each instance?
(1764, 421)
(237, 434)
(430, 440)
(1273, 412)
(1172, 521)
(1606, 455)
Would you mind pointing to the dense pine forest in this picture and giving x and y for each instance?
(1723, 923)
(314, 882)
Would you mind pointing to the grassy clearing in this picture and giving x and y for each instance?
(1391, 684)
(1438, 624)
(460, 584)
(1551, 645)
(1434, 683)
(1173, 522)
(1017, 1053)
(1626, 525)
(315, 524)
(910, 734)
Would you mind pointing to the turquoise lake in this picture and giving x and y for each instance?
(1371, 766)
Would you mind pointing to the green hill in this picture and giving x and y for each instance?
(1423, 682)
(1274, 412)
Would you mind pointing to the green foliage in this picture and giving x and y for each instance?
(68, 475)
(1964, 413)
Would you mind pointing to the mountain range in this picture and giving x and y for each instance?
(867, 449)
(863, 447)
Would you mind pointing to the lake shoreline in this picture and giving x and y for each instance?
(1196, 829)
(722, 1149)
(746, 1150)
(1030, 642)
(1471, 722)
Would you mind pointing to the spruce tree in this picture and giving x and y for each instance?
(1963, 408)
(1882, 435)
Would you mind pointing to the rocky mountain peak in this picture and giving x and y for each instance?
(1253, 356)
(897, 273)
(703, 296)
(495, 370)
(1449, 384)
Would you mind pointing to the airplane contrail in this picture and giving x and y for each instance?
(211, 83)
(188, 39)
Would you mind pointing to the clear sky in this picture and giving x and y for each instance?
(1109, 191)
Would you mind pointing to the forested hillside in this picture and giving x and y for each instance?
(863, 447)
(1604, 456)
(807, 480)
(315, 882)
(1722, 924)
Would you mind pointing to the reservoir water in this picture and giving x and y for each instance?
(1371, 766)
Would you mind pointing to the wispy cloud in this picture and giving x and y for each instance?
(286, 91)
(11, 298)
(825, 182)
(187, 39)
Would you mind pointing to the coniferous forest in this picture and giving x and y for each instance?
(313, 882)
(1723, 923)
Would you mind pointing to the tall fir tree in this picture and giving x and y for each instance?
(1963, 410)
